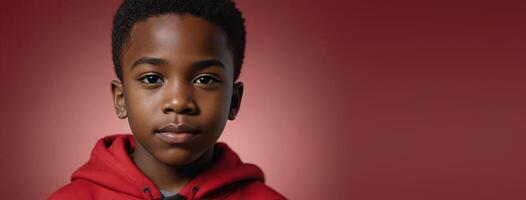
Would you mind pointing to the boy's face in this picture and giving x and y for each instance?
(177, 70)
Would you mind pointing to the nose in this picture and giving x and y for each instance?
(179, 101)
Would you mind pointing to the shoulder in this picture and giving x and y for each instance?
(258, 190)
(85, 190)
(75, 190)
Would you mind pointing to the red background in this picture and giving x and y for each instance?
(344, 99)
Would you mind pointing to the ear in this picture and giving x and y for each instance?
(235, 103)
(117, 90)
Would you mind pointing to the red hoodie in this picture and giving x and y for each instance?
(111, 174)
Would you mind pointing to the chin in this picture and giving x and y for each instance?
(177, 156)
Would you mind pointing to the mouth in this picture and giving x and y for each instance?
(177, 133)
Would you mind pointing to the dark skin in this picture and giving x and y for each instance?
(176, 69)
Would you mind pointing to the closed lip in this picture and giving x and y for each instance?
(178, 128)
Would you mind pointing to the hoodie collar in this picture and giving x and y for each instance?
(111, 167)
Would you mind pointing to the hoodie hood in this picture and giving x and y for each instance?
(110, 166)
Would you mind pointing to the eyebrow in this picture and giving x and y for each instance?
(206, 63)
(160, 61)
(149, 60)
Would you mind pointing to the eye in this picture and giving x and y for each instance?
(206, 80)
(151, 79)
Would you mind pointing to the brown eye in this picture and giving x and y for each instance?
(205, 80)
(151, 79)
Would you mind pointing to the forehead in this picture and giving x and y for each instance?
(180, 38)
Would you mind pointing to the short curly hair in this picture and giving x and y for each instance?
(222, 13)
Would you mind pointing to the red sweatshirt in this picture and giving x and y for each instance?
(111, 174)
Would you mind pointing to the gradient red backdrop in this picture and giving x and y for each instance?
(344, 99)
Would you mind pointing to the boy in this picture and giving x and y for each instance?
(177, 62)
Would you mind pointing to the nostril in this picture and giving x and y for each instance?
(179, 110)
(181, 103)
(167, 110)
(187, 110)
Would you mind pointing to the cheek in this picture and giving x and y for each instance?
(214, 107)
(140, 108)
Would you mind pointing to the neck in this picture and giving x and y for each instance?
(167, 177)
